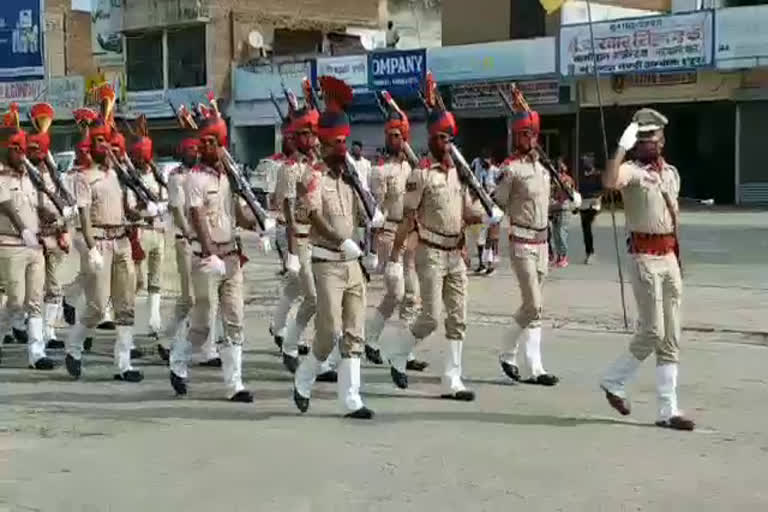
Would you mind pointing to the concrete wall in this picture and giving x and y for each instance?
(485, 20)
(67, 40)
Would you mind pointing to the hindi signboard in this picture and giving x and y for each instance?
(651, 43)
(353, 69)
(486, 95)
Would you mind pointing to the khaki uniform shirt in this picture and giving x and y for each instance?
(335, 201)
(149, 180)
(18, 189)
(440, 199)
(388, 187)
(642, 188)
(177, 180)
(206, 188)
(101, 192)
(290, 175)
(523, 192)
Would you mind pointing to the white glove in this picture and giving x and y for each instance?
(629, 137)
(292, 264)
(151, 210)
(69, 212)
(576, 202)
(393, 276)
(264, 244)
(95, 259)
(269, 227)
(496, 215)
(30, 239)
(378, 219)
(162, 208)
(214, 265)
(370, 262)
(350, 249)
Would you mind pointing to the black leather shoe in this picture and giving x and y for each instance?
(55, 344)
(303, 350)
(301, 403)
(677, 423)
(178, 384)
(8, 339)
(373, 355)
(460, 396)
(43, 363)
(137, 353)
(362, 413)
(543, 380)
(88, 344)
(74, 366)
(243, 397)
(290, 363)
(278, 341)
(416, 365)
(329, 376)
(211, 363)
(400, 379)
(20, 336)
(109, 325)
(511, 371)
(163, 352)
(130, 376)
(69, 313)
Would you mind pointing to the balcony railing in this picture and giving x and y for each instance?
(143, 14)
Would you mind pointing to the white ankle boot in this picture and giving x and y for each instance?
(306, 374)
(232, 368)
(155, 321)
(619, 373)
(451, 380)
(35, 342)
(666, 391)
(122, 349)
(348, 386)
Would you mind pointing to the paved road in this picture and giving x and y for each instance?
(98, 445)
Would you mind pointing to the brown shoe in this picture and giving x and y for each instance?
(618, 403)
(677, 423)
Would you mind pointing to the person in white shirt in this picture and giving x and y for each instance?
(362, 164)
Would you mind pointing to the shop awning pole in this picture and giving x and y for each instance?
(606, 157)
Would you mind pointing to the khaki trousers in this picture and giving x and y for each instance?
(442, 281)
(153, 243)
(302, 285)
(115, 280)
(22, 269)
(658, 288)
(228, 291)
(186, 298)
(529, 262)
(53, 259)
(392, 298)
(340, 308)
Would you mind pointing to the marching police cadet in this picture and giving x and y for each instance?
(650, 188)
(388, 181)
(108, 263)
(22, 264)
(189, 152)
(299, 281)
(523, 191)
(213, 213)
(436, 196)
(151, 233)
(54, 237)
(334, 210)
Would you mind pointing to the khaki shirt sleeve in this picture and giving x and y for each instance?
(504, 187)
(414, 189)
(312, 197)
(195, 190)
(5, 190)
(629, 174)
(175, 191)
(82, 191)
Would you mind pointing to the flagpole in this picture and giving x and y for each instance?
(606, 157)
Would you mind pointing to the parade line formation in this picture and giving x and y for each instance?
(337, 229)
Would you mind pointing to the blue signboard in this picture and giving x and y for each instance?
(397, 71)
(21, 40)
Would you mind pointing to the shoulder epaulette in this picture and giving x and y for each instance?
(424, 163)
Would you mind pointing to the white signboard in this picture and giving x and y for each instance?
(740, 37)
(655, 43)
(353, 69)
(106, 38)
(486, 95)
(63, 93)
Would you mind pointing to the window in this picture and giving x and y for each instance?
(186, 57)
(144, 61)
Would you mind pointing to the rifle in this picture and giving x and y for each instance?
(465, 171)
(37, 180)
(56, 177)
(519, 100)
(351, 177)
(130, 180)
(241, 188)
(410, 155)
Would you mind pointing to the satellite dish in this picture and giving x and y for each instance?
(255, 39)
